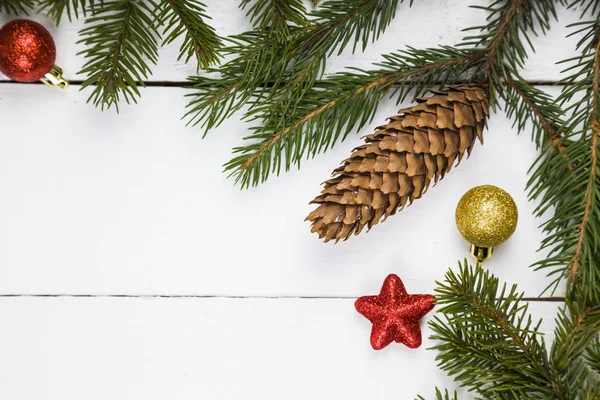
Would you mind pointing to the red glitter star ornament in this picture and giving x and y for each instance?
(395, 314)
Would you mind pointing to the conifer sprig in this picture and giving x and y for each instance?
(16, 6)
(577, 330)
(275, 71)
(188, 19)
(573, 232)
(120, 40)
(336, 106)
(276, 15)
(488, 340)
(56, 9)
(439, 395)
(525, 104)
(592, 356)
(296, 124)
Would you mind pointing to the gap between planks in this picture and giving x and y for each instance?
(189, 84)
(184, 296)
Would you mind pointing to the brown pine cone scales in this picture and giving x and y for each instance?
(399, 161)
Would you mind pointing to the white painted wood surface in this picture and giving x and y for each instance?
(189, 349)
(100, 204)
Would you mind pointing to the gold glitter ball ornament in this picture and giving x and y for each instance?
(486, 216)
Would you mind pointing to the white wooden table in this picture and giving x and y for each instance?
(131, 268)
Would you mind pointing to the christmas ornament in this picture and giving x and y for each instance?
(27, 54)
(400, 160)
(486, 216)
(395, 314)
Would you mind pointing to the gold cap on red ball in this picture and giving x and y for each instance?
(486, 216)
(28, 53)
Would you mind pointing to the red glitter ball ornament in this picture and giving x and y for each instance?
(395, 314)
(27, 50)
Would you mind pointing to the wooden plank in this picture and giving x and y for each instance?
(107, 348)
(100, 203)
(427, 24)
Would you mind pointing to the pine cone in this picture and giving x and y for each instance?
(399, 161)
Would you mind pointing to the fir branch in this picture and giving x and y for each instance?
(576, 329)
(288, 127)
(592, 356)
(55, 9)
(286, 69)
(574, 230)
(509, 22)
(187, 18)
(587, 6)
(488, 340)
(16, 6)
(577, 326)
(336, 106)
(276, 14)
(506, 37)
(525, 103)
(439, 395)
(120, 40)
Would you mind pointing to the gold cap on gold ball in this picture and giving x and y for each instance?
(486, 216)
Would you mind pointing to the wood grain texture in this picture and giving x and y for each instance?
(445, 20)
(189, 349)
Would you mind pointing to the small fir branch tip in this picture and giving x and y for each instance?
(576, 334)
(587, 7)
(526, 103)
(487, 336)
(120, 41)
(592, 356)
(573, 232)
(281, 71)
(16, 7)
(276, 14)
(56, 9)
(505, 37)
(439, 395)
(187, 19)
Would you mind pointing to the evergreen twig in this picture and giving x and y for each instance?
(292, 125)
(275, 14)
(16, 6)
(487, 336)
(577, 327)
(280, 72)
(187, 18)
(120, 40)
(55, 9)
(439, 395)
(592, 356)
(574, 231)
(339, 104)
